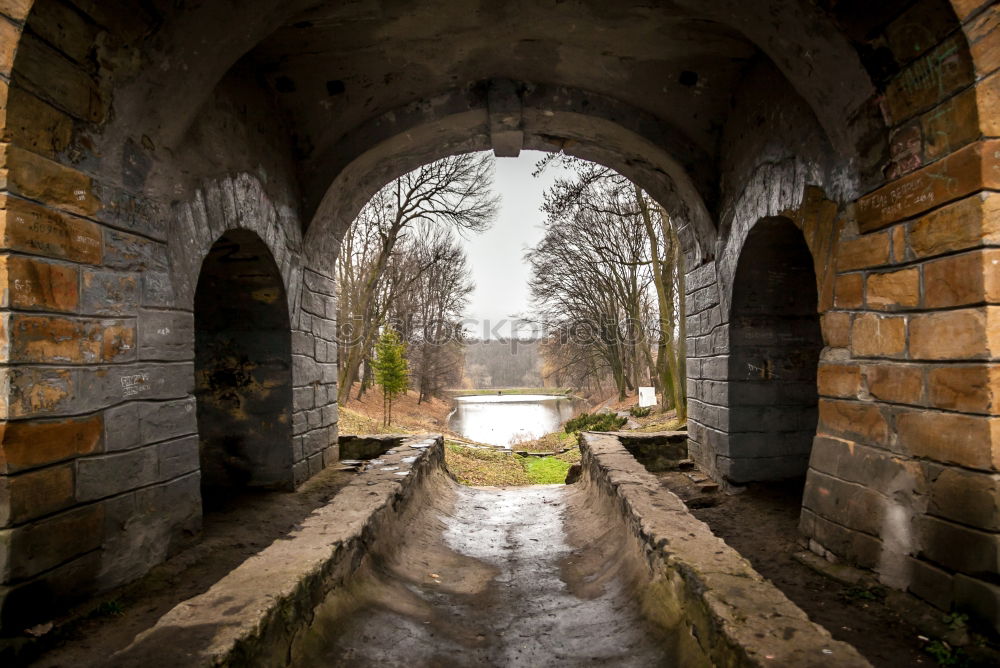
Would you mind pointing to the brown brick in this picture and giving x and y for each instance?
(972, 441)
(972, 333)
(894, 289)
(38, 493)
(968, 497)
(836, 329)
(36, 125)
(961, 280)
(30, 444)
(27, 283)
(37, 547)
(53, 339)
(849, 291)
(853, 420)
(864, 252)
(975, 167)
(951, 125)
(875, 335)
(895, 383)
(37, 178)
(928, 80)
(839, 380)
(30, 228)
(972, 388)
(968, 223)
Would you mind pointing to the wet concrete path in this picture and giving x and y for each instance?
(488, 577)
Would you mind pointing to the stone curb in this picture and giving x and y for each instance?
(702, 589)
(250, 616)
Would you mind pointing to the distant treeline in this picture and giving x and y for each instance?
(502, 363)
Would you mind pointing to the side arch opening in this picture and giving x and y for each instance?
(243, 369)
(775, 344)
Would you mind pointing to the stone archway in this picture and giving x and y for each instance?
(775, 345)
(243, 375)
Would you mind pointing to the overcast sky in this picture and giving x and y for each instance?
(497, 256)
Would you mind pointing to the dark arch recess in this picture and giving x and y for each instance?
(775, 344)
(243, 375)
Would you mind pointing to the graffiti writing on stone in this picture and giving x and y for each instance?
(132, 385)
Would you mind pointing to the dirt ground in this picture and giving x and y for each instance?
(761, 523)
(234, 529)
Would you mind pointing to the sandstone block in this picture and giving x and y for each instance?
(36, 125)
(959, 548)
(850, 505)
(943, 70)
(864, 252)
(10, 34)
(109, 293)
(31, 444)
(975, 167)
(960, 280)
(893, 290)
(49, 75)
(951, 125)
(839, 380)
(34, 177)
(16, 9)
(895, 383)
(31, 284)
(978, 596)
(967, 497)
(106, 475)
(53, 339)
(163, 420)
(849, 291)
(836, 329)
(951, 438)
(984, 42)
(129, 252)
(40, 391)
(854, 546)
(29, 228)
(35, 494)
(28, 550)
(965, 388)
(178, 457)
(874, 468)
(968, 223)
(101, 387)
(930, 583)
(853, 420)
(875, 335)
(166, 335)
(972, 333)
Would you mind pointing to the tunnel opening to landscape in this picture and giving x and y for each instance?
(243, 378)
(775, 341)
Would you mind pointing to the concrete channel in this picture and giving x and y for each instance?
(406, 567)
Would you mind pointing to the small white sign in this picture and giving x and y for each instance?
(647, 397)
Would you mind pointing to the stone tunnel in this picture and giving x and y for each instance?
(176, 178)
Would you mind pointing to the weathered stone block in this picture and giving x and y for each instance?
(16, 9)
(9, 36)
(31, 549)
(979, 597)
(966, 497)
(106, 475)
(847, 504)
(37, 178)
(853, 420)
(39, 391)
(52, 77)
(960, 280)
(839, 380)
(959, 548)
(157, 289)
(52, 339)
(27, 445)
(975, 167)
(178, 457)
(101, 387)
(30, 284)
(893, 290)
(896, 383)
(966, 388)
(864, 252)
(30, 228)
(968, 223)
(945, 69)
(874, 468)
(836, 329)
(162, 420)
(129, 252)
(166, 335)
(65, 29)
(875, 335)
(967, 440)
(109, 293)
(970, 334)
(854, 546)
(849, 291)
(121, 427)
(930, 583)
(35, 494)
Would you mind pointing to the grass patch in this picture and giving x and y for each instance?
(546, 470)
(595, 422)
(484, 466)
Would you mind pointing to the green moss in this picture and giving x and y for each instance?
(546, 470)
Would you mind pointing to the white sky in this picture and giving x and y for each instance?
(496, 257)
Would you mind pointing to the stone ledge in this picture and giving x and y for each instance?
(700, 586)
(250, 616)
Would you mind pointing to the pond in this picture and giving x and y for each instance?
(509, 419)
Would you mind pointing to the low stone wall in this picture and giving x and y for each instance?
(251, 615)
(700, 588)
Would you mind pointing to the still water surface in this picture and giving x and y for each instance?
(509, 418)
